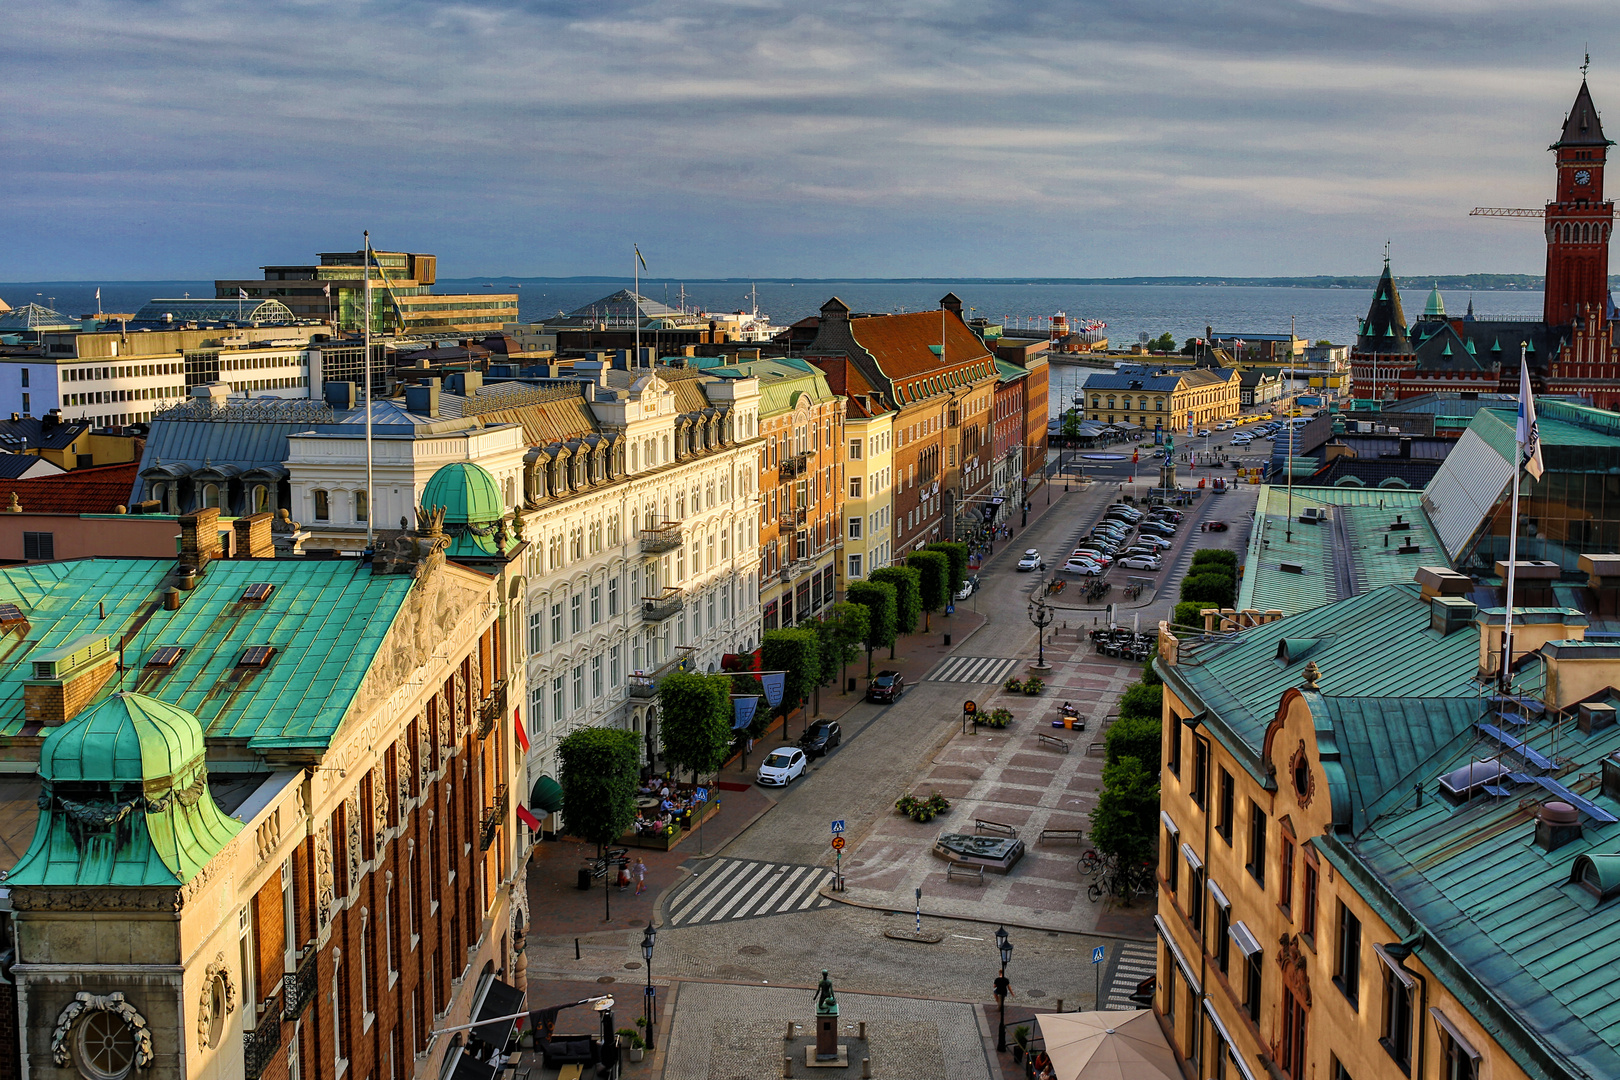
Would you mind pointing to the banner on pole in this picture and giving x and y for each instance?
(774, 685)
(743, 714)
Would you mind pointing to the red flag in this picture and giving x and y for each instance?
(527, 818)
(522, 736)
(1134, 455)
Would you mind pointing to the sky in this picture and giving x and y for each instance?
(775, 138)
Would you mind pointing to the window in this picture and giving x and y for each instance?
(1195, 888)
(1253, 969)
(1397, 1037)
(613, 596)
(854, 444)
(596, 604)
(1347, 965)
(323, 510)
(1338, 1071)
(854, 566)
(1458, 1058)
(289, 919)
(556, 624)
(106, 1046)
(855, 528)
(1257, 843)
(39, 546)
(1223, 927)
(596, 677)
(559, 707)
(1285, 874)
(1223, 824)
(1307, 912)
(1172, 838)
(579, 686)
(615, 668)
(854, 487)
(1172, 734)
(1200, 776)
(537, 640)
(1291, 1056)
(248, 964)
(365, 961)
(362, 506)
(576, 613)
(25, 379)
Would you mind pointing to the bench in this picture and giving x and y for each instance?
(1063, 834)
(983, 825)
(965, 870)
(1053, 741)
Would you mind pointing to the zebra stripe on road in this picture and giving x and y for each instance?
(972, 669)
(732, 889)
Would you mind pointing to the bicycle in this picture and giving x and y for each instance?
(1125, 883)
(1092, 863)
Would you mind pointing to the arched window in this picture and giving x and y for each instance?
(323, 509)
(160, 492)
(261, 499)
(362, 506)
(210, 495)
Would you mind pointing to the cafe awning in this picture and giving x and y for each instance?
(1107, 1046)
(498, 999)
(546, 796)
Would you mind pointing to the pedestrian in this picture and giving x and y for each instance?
(624, 875)
(640, 874)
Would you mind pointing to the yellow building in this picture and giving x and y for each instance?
(1361, 873)
(869, 497)
(1173, 400)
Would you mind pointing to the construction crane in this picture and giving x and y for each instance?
(1504, 211)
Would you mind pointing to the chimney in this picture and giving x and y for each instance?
(621, 360)
(423, 398)
(1603, 577)
(253, 539)
(199, 538)
(1593, 716)
(339, 395)
(66, 679)
(594, 370)
(1557, 823)
(471, 383)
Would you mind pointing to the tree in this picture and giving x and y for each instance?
(597, 771)
(1165, 342)
(1215, 557)
(957, 556)
(1124, 823)
(1210, 589)
(1187, 613)
(696, 722)
(796, 651)
(907, 583)
(936, 574)
(1136, 737)
(842, 631)
(879, 600)
(1071, 422)
(1149, 676)
(1324, 343)
(1140, 699)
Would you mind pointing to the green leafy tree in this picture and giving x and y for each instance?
(1071, 423)
(597, 770)
(879, 600)
(1136, 737)
(1186, 614)
(1141, 700)
(696, 720)
(1210, 589)
(1124, 821)
(907, 582)
(796, 651)
(1150, 677)
(1165, 342)
(957, 554)
(1216, 557)
(843, 633)
(936, 575)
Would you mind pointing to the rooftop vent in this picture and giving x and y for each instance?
(258, 592)
(1460, 785)
(1557, 823)
(1448, 614)
(165, 656)
(256, 656)
(1312, 515)
(58, 663)
(1598, 875)
(1594, 716)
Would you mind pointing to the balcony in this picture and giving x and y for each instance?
(794, 519)
(259, 1046)
(666, 537)
(796, 569)
(643, 687)
(491, 709)
(298, 987)
(493, 817)
(660, 607)
(793, 467)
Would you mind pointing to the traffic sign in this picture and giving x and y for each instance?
(1098, 953)
(838, 843)
(950, 609)
(838, 826)
(700, 795)
(970, 707)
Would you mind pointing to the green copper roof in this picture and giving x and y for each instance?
(472, 505)
(324, 621)
(1435, 308)
(125, 800)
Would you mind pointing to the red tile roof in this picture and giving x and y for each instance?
(83, 491)
(846, 379)
(900, 343)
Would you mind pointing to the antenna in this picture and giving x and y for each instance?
(371, 511)
(1586, 64)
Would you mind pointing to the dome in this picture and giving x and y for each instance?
(128, 738)
(473, 507)
(1436, 307)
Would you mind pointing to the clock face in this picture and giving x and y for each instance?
(1582, 177)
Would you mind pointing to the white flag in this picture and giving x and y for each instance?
(1528, 438)
(241, 294)
(327, 289)
(98, 293)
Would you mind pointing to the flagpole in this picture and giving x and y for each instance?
(635, 302)
(370, 510)
(1504, 677)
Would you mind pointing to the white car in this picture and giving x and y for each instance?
(781, 766)
(1149, 540)
(1142, 562)
(1241, 440)
(1082, 566)
(1031, 561)
(1203, 432)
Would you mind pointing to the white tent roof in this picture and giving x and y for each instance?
(1107, 1046)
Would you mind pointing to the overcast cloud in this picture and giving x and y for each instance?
(168, 139)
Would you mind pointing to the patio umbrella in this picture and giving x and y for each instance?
(1107, 1046)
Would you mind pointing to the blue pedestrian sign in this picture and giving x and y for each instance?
(838, 826)
(700, 795)
(950, 609)
(1098, 953)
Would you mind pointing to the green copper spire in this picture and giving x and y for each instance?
(1436, 307)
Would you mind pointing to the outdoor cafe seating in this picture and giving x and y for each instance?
(1122, 644)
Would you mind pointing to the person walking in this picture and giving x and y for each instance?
(640, 874)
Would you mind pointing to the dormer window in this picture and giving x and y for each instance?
(1463, 784)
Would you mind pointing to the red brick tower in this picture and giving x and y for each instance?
(1579, 220)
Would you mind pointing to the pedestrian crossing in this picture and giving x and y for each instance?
(1135, 961)
(972, 669)
(732, 889)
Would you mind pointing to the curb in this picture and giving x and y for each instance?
(826, 892)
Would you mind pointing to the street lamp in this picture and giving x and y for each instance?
(649, 937)
(1003, 987)
(1041, 616)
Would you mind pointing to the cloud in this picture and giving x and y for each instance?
(189, 138)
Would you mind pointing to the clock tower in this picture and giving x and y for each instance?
(1579, 220)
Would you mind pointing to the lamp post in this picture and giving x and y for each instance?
(1041, 616)
(1003, 987)
(649, 937)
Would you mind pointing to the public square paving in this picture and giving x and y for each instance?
(1012, 777)
(732, 1032)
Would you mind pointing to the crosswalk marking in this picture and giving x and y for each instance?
(1136, 961)
(733, 889)
(972, 669)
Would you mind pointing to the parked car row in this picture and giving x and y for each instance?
(1110, 540)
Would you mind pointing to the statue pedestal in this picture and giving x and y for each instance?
(814, 1060)
(827, 1036)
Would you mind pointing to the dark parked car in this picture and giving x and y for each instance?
(822, 737)
(1215, 526)
(888, 686)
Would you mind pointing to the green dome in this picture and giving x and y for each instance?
(129, 738)
(1436, 307)
(472, 507)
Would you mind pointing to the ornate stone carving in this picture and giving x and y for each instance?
(1300, 774)
(459, 705)
(351, 818)
(324, 885)
(379, 805)
(1313, 675)
(84, 1002)
(25, 898)
(205, 1009)
(206, 876)
(268, 835)
(1295, 969)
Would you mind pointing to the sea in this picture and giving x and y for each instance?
(1131, 313)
